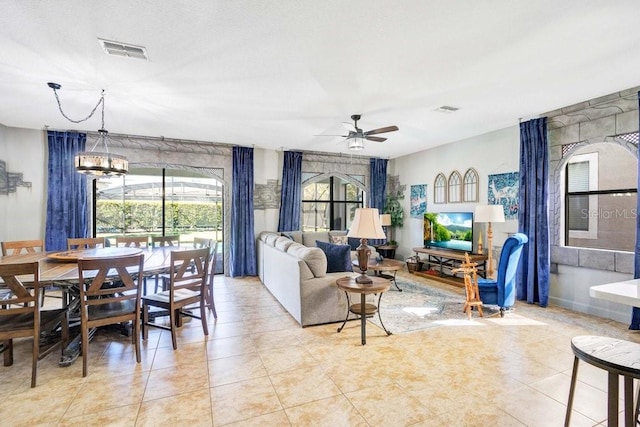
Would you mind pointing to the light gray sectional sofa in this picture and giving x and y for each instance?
(295, 272)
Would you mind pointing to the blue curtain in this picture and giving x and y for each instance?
(533, 219)
(67, 211)
(242, 256)
(378, 187)
(635, 315)
(291, 194)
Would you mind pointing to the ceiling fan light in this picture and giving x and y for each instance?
(356, 144)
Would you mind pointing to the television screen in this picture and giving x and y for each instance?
(449, 230)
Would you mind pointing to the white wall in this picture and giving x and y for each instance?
(22, 213)
(569, 288)
(491, 153)
(267, 165)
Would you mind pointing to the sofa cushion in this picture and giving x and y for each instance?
(263, 235)
(309, 237)
(271, 239)
(283, 243)
(296, 236)
(314, 257)
(338, 256)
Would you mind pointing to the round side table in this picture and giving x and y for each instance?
(378, 286)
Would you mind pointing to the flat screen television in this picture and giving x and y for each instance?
(449, 230)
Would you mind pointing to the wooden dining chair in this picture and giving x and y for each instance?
(85, 243)
(157, 241)
(133, 242)
(22, 317)
(201, 242)
(186, 286)
(17, 247)
(109, 294)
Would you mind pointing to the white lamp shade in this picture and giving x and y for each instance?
(385, 220)
(366, 225)
(489, 213)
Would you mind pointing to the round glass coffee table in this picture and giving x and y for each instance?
(379, 286)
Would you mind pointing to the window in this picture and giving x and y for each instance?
(159, 202)
(329, 203)
(600, 198)
(440, 189)
(455, 187)
(470, 186)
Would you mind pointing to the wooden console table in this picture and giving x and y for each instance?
(451, 260)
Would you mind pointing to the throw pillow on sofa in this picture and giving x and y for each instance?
(338, 256)
(340, 240)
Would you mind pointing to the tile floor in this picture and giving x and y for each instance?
(258, 367)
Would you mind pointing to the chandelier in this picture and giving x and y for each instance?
(93, 162)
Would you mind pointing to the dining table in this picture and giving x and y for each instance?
(60, 269)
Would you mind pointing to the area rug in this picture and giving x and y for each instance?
(420, 306)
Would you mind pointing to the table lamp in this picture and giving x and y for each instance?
(365, 225)
(489, 214)
(385, 221)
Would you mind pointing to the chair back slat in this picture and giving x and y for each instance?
(157, 241)
(85, 243)
(189, 270)
(113, 282)
(22, 299)
(133, 242)
(17, 247)
(21, 294)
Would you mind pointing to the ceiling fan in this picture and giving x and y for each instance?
(356, 136)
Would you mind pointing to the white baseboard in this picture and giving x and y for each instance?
(617, 312)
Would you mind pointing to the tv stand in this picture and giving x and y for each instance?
(450, 259)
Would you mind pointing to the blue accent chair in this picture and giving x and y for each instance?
(502, 291)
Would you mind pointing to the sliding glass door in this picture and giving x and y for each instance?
(161, 202)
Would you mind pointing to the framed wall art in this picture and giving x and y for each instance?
(418, 200)
(503, 190)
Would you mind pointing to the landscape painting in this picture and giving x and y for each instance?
(503, 190)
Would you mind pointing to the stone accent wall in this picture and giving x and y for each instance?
(571, 128)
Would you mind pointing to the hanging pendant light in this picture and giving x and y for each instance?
(94, 162)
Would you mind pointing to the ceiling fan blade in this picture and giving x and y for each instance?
(375, 138)
(349, 126)
(381, 130)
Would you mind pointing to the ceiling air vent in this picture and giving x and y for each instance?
(123, 49)
(446, 109)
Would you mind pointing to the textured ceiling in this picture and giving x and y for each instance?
(275, 73)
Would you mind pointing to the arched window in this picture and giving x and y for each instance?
(440, 189)
(455, 187)
(329, 201)
(600, 196)
(470, 186)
